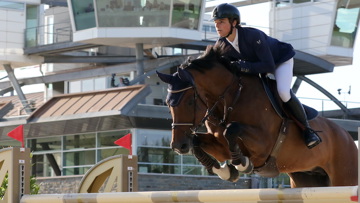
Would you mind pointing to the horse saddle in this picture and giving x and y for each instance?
(269, 83)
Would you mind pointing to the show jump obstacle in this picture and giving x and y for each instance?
(115, 180)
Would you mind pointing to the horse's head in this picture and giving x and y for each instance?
(186, 109)
(187, 101)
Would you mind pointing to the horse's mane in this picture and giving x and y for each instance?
(214, 54)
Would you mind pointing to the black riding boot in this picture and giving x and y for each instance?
(310, 136)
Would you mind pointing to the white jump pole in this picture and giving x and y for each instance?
(287, 195)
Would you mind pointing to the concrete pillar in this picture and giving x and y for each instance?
(140, 61)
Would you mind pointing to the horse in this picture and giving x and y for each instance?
(244, 130)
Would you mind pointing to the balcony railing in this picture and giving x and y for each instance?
(48, 34)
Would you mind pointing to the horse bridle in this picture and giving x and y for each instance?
(209, 111)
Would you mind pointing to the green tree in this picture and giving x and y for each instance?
(34, 187)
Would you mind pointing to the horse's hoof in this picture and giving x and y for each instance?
(247, 168)
(234, 174)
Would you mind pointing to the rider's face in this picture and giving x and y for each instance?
(222, 26)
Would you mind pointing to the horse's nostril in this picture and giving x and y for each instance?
(184, 147)
(181, 149)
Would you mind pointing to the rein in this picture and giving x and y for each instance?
(227, 110)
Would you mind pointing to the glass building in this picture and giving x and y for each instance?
(63, 150)
(150, 22)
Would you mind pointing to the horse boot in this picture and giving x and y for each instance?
(310, 137)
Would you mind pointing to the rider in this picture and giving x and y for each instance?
(252, 51)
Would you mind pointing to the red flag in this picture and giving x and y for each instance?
(18, 134)
(125, 142)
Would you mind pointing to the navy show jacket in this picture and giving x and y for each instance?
(259, 53)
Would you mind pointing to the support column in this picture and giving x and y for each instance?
(17, 87)
(140, 61)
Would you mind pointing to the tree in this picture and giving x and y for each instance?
(34, 187)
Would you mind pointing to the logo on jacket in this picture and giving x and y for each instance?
(259, 41)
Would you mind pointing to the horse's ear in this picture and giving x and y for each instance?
(164, 77)
(185, 76)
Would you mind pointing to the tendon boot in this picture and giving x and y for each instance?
(310, 137)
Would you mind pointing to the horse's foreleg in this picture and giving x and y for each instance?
(225, 172)
(241, 162)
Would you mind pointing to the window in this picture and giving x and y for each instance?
(82, 141)
(186, 14)
(345, 27)
(46, 155)
(149, 13)
(88, 85)
(32, 34)
(84, 15)
(75, 154)
(12, 5)
(155, 155)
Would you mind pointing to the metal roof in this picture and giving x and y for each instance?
(115, 101)
(11, 106)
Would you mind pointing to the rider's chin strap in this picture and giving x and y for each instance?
(231, 30)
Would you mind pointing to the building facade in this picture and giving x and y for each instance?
(97, 62)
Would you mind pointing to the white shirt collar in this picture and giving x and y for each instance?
(235, 43)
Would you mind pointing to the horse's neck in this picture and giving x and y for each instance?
(253, 99)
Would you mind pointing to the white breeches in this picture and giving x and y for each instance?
(283, 75)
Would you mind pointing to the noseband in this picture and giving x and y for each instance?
(209, 111)
(196, 95)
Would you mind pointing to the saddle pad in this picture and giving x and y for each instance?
(270, 89)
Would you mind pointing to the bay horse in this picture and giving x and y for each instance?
(246, 133)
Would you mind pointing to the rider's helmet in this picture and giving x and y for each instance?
(226, 10)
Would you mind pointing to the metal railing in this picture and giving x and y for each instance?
(48, 34)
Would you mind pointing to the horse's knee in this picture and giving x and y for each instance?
(233, 127)
(232, 130)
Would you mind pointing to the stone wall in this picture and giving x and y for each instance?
(148, 182)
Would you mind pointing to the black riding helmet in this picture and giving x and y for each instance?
(226, 10)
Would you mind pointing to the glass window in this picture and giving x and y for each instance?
(83, 141)
(74, 86)
(282, 3)
(301, 1)
(107, 139)
(12, 5)
(41, 164)
(12, 143)
(155, 155)
(345, 27)
(105, 153)
(133, 13)
(79, 158)
(186, 14)
(118, 13)
(31, 32)
(84, 14)
(45, 144)
(87, 85)
(100, 83)
(194, 170)
(158, 18)
(75, 170)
